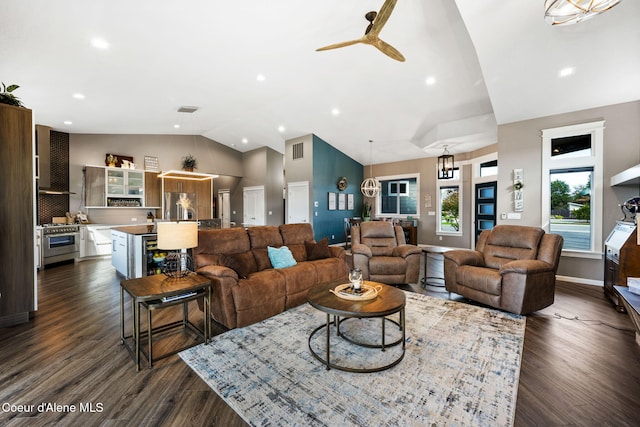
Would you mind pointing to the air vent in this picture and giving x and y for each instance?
(298, 150)
(185, 109)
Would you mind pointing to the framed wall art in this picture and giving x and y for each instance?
(332, 201)
(342, 201)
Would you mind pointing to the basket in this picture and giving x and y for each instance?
(368, 292)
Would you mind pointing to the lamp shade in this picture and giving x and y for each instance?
(177, 235)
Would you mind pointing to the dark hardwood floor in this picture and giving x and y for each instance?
(580, 366)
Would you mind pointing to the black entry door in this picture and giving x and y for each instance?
(485, 206)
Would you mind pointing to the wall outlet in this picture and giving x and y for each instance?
(333, 237)
(503, 215)
(134, 219)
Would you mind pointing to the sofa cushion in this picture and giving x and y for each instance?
(243, 263)
(281, 257)
(486, 280)
(317, 250)
(507, 243)
(263, 236)
(387, 265)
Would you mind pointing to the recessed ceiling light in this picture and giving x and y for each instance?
(99, 44)
(281, 129)
(176, 126)
(430, 81)
(335, 111)
(260, 77)
(68, 122)
(566, 72)
(78, 96)
(245, 141)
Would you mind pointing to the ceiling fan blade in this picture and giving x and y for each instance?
(389, 50)
(383, 16)
(338, 45)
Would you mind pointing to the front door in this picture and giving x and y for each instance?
(485, 207)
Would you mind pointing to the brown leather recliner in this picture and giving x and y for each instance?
(380, 251)
(513, 268)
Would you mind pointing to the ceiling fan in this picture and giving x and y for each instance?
(376, 22)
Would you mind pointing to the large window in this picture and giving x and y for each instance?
(398, 196)
(572, 186)
(450, 205)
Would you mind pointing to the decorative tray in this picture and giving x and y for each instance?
(346, 291)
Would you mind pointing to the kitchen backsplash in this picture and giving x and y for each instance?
(50, 205)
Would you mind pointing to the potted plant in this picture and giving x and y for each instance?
(366, 211)
(6, 97)
(189, 163)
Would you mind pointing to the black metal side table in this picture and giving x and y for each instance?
(157, 292)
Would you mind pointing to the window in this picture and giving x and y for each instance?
(572, 186)
(398, 196)
(450, 203)
(489, 168)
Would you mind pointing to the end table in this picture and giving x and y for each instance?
(157, 292)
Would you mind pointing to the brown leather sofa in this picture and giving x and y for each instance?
(380, 251)
(513, 268)
(246, 288)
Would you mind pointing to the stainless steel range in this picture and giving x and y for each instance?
(60, 242)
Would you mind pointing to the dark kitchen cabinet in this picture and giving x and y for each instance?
(17, 283)
(202, 189)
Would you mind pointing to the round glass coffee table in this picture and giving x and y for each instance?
(389, 301)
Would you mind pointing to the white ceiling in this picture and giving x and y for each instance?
(494, 62)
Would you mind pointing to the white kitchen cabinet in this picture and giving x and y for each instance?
(119, 251)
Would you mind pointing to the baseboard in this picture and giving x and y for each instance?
(580, 280)
(14, 319)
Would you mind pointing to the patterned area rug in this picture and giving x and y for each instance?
(461, 367)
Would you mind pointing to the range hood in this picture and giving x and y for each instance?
(630, 176)
(43, 164)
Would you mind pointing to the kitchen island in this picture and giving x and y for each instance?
(134, 251)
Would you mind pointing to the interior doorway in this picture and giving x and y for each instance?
(253, 206)
(224, 208)
(298, 202)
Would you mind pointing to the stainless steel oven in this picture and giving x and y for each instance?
(60, 243)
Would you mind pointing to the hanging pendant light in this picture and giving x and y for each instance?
(567, 12)
(370, 187)
(445, 165)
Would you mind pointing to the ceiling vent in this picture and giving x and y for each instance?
(298, 152)
(185, 109)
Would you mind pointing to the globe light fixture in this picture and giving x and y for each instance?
(370, 187)
(567, 12)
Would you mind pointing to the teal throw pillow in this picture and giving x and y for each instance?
(281, 257)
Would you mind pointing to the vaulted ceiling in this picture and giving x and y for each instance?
(252, 70)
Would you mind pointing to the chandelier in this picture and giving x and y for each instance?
(370, 187)
(445, 165)
(567, 12)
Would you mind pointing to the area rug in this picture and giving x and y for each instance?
(461, 367)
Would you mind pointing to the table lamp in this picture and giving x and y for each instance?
(177, 237)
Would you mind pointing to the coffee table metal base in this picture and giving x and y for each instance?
(337, 321)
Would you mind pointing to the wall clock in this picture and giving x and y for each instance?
(342, 184)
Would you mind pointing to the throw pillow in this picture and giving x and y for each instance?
(243, 264)
(319, 250)
(281, 257)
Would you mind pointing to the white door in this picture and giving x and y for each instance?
(253, 206)
(224, 208)
(297, 202)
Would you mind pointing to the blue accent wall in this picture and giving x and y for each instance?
(329, 165)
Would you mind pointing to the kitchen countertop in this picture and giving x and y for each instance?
(137, 229)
